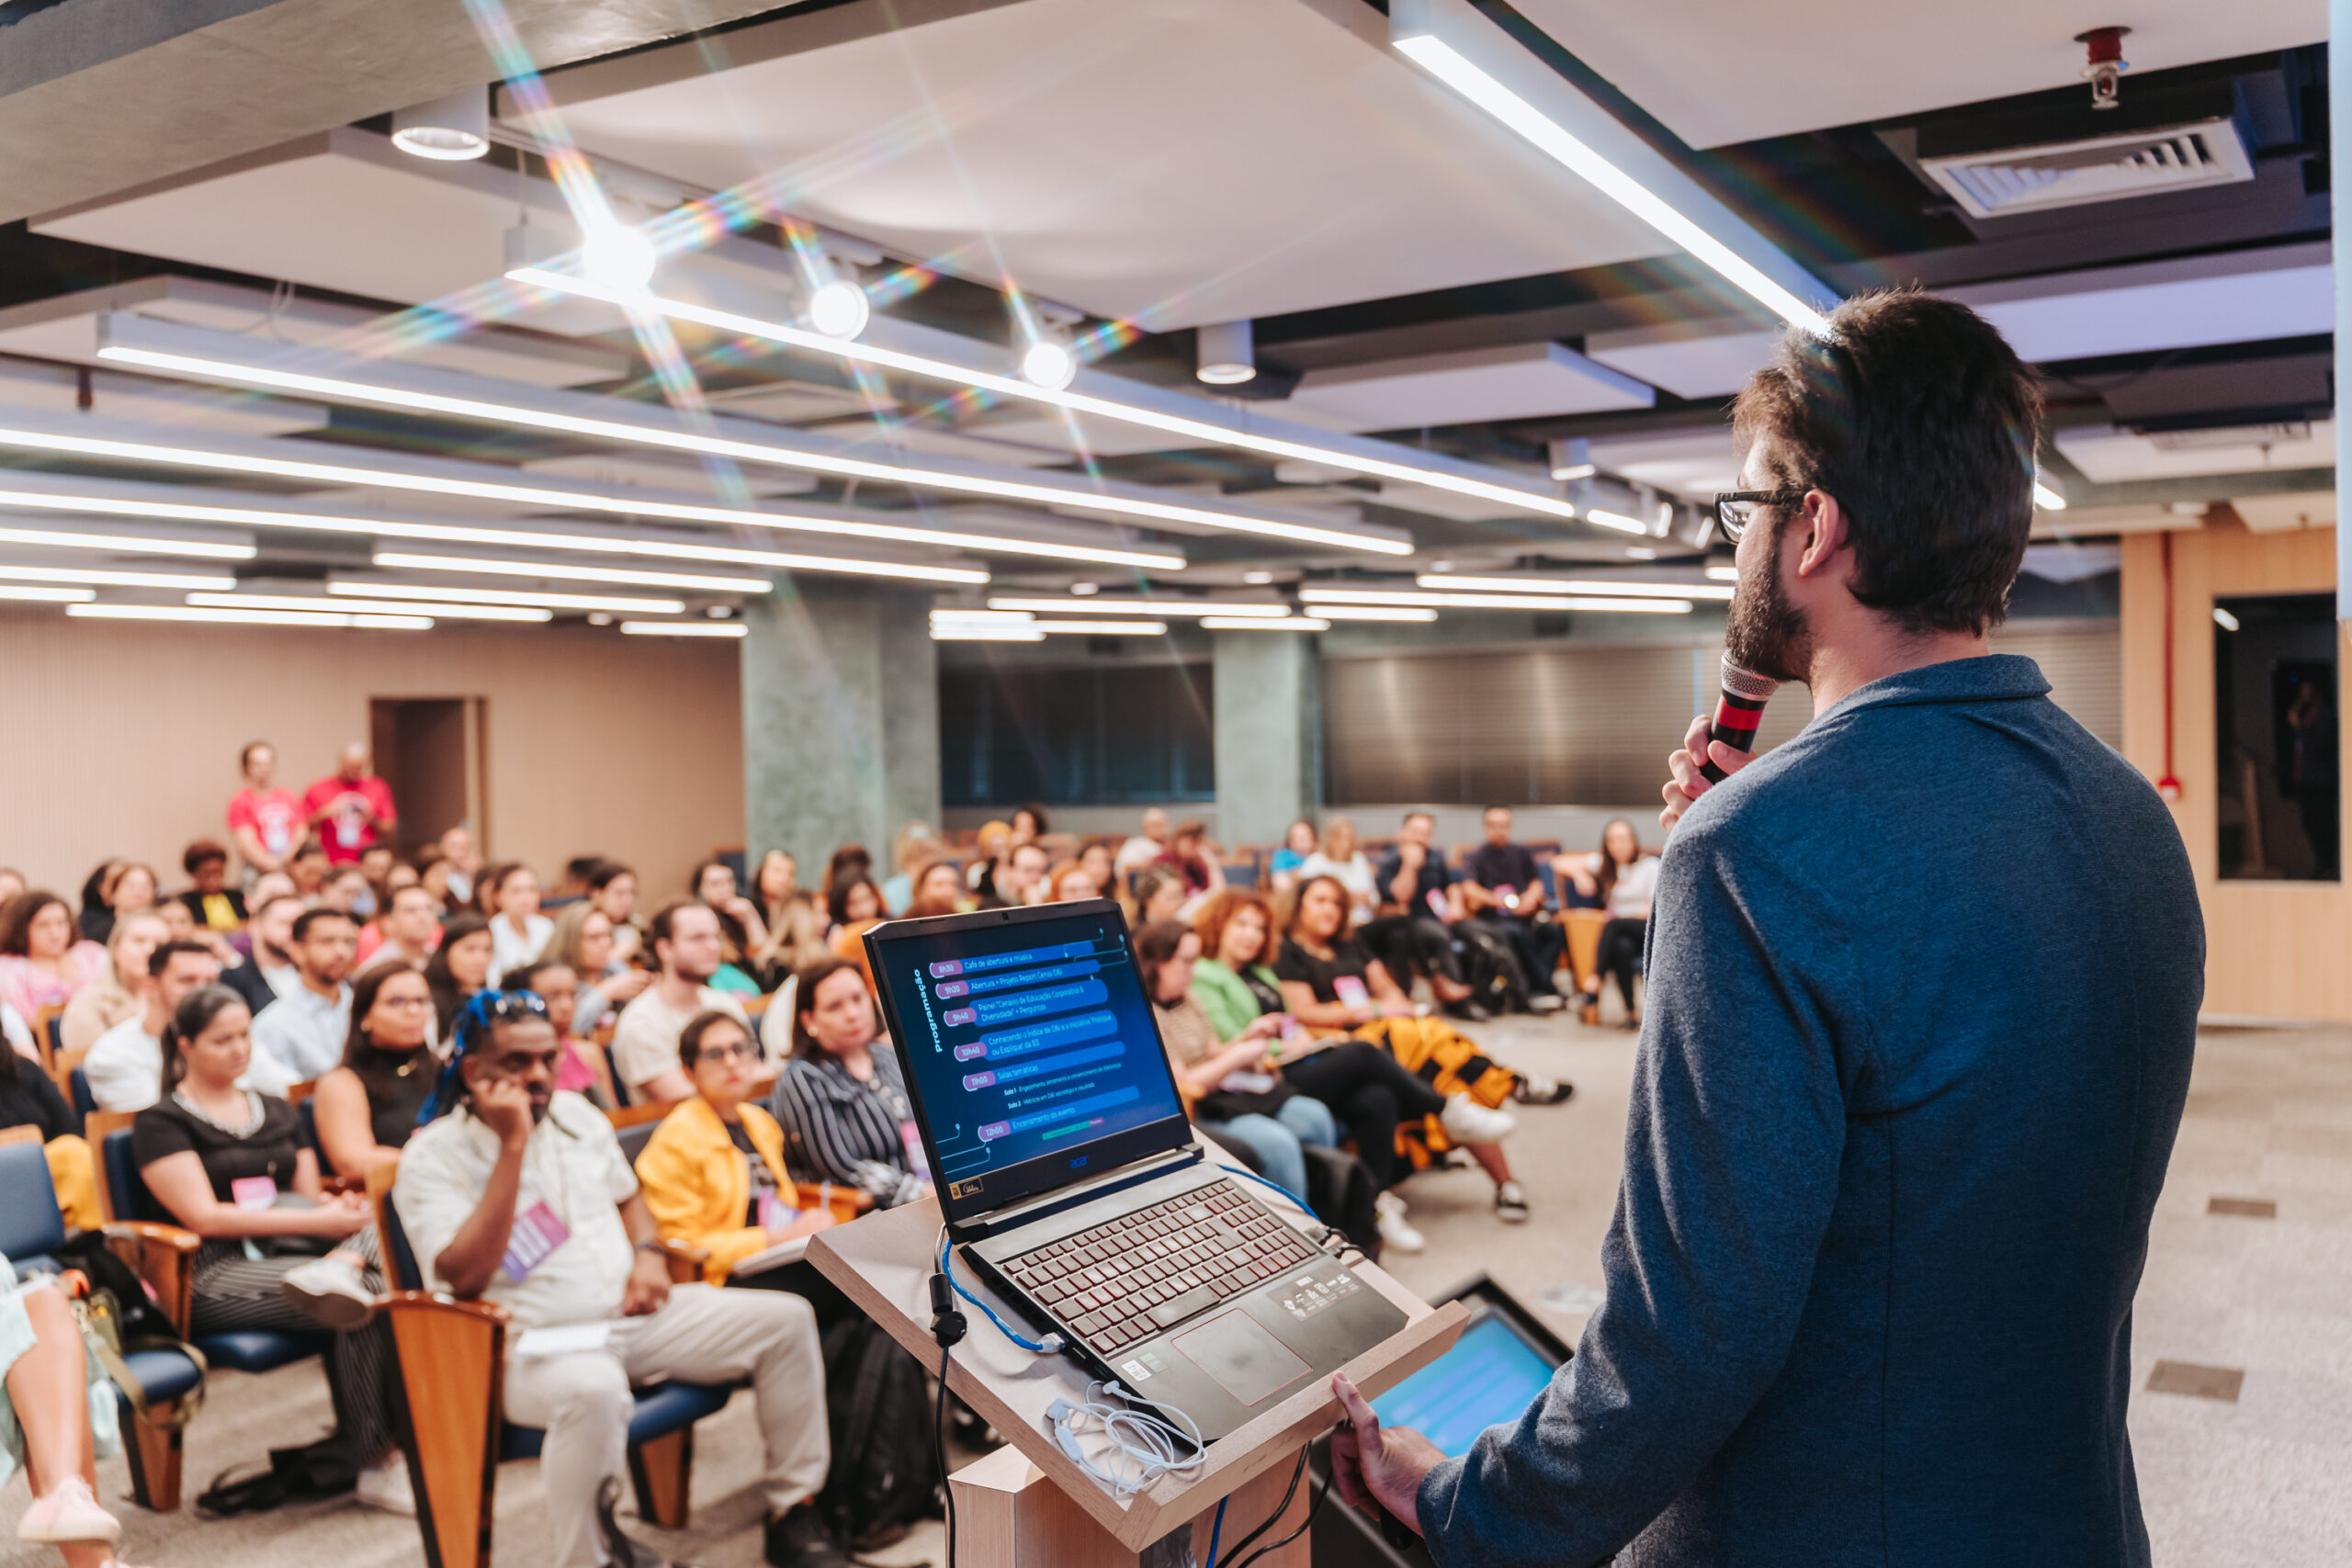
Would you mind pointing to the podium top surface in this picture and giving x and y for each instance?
(883, 1263)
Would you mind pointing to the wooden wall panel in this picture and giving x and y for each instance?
(2273, 949)
(121, 738)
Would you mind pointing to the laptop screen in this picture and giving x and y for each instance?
(1030, 1050)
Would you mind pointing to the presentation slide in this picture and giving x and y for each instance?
(1027, 1042)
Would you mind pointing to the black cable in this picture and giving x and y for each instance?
(1280, 1508)
(945, 1485)
(1320, 1491)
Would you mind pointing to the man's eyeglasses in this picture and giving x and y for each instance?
(1736, 508)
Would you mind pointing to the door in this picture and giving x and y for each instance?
(431, 752)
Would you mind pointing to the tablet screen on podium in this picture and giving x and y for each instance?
(1493, 1373)
(1032, 1053)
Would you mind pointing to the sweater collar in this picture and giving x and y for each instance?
(1992, 677)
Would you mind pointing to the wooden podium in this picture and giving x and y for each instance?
(1028, 1505)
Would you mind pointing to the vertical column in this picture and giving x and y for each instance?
(2339, 156)
(841, 720)
(1269, 725)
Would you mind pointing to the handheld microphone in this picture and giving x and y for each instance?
(1737, 714)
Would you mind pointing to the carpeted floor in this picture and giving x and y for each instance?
(2254, 1479)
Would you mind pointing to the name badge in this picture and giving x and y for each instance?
(1437, 903)
(537, 1232)
(1246, 1082)
(1350, 992)
(911, 1136)
(776, 1214)
(253, 1192)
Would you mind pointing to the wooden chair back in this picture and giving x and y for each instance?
(24, 1133)
(46, 1022)
(95, 1128)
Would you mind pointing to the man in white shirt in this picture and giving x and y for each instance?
(1144, 847)
(272, 973)
(411, 926)
(302, 1034)
(684, 934)
(124, 1068)
(520, 1196)
(463, 860)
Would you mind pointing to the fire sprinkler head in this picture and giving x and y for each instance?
(2107, 65)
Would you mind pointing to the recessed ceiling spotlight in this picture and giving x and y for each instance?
(1440, 565)
(1225, 356)
(1575, 471)
(839, 308)
(600, 619)
(1083, 589)
(1641, 552)
(450, 129)
(1257, 577)
(719, 612)
(617, 255)
(1050, 363)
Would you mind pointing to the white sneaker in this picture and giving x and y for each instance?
(385, 1484)
(1394, 1231)
(1467, 1122)
(329, 1290)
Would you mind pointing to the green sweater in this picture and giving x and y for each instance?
(1226, 998)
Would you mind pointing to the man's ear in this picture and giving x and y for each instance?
(1824, 531)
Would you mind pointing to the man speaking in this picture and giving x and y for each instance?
(1923, 990)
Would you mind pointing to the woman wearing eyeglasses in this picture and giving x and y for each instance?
(366, 1108)
(713, 1172)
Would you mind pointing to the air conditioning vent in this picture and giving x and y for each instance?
(2263, 436)
(2074, 174)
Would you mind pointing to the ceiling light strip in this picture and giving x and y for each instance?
(566, 572)
(880, 356)
(1440, 36)
(686, 628)
(379, 393)
(1260, 624)
(332, 607)
(1097, 603)
(46, 595)
(1102, 628)
(621, 603)
(1373, 613)
(1495, 601)
(1627, 589)
(456, 534)
(247, 617)
(85, 577)
(125, 544)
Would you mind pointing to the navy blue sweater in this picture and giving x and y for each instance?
(1923, 990)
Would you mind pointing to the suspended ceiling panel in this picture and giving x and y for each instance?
(1517, 381)
(1684, 365)
(1719, 74)
(1688, 462)
(1190, 161)
(2110, 456)
(61, 388)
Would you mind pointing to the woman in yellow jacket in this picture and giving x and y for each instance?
(713, 1172)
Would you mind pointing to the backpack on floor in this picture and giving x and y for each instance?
(1497, 981)
(884, 1475)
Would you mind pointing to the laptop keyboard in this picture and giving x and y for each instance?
(1152, 1270)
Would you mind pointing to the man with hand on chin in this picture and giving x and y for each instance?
(518, 1194)
(1882, 1218)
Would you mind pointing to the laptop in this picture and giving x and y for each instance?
(1070, 1179)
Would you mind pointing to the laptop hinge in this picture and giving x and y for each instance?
(1047, 1204)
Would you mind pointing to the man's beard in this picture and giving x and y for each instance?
(1762, 631)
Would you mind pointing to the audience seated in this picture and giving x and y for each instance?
(215, 904)
(1502, 887)
(713, 1171)
(848, 861)
(41, 964)
(302, 1034)
(1340, 857)
(124, 1068)
(995, 841)
(1419, 904)
(462, 863)
(345, 888)
(271, 973)
(1070, 883)
(686, 947)
(774, 885)
(1188, 856)
(1228, 1086)
(518, 932)
(181, 926)
(1330, 980)
(114, 995)
(741, 929)
(350, 808)
(939, 888)
(506, 1143)
(366, 1107)
(1017, 880)
(309, 868)
(853, 904)
(458, 968)
(123, 889)
(265, 821)
(1624, 880)
(1158, 894)
(842, 1099)
(1148, 844)
(1095, 858)
(405, 932)
(916, 846)
(228, 1163)
(583, 939)
(581, 1069)
(1298, 843)
(29, 1098)
(58, 1416)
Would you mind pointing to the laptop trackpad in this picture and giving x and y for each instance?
(1242, 1355)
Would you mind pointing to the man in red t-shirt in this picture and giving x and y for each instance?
(349, 808)
(267, 825)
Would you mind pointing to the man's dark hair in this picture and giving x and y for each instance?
(581, 868)
(308, 918)
(663, 927)
(161, 959)
(202, 852)
(604, 875)
(527, 977)
(1428, 816)
(1921, 420)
